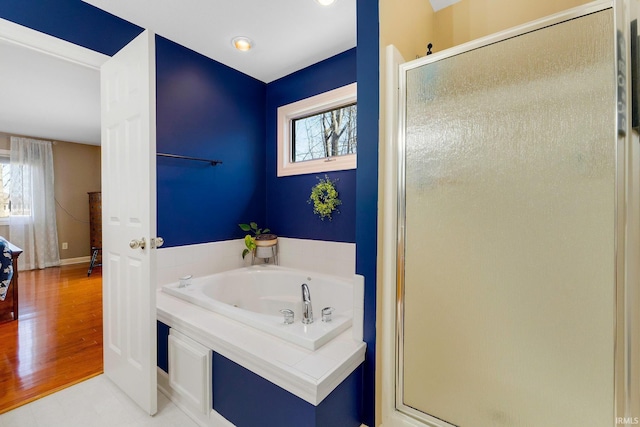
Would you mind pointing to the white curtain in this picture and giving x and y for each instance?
(32, 223)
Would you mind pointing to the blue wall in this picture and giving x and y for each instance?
(248, 400)
(208, 110)
(367, 186)
(288, 213)
(162, 353)
(72, 20)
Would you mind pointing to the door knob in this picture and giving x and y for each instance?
(159, 242)
(135, 244)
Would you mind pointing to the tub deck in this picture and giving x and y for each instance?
(310, 375)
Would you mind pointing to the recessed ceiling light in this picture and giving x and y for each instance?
(326, 2)
(242, 43)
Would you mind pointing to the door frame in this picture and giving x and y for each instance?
(627, 368)
(31, 39)
(44, 43)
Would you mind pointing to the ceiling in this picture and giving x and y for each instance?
(437, 5)
(48, 95)
(288, 35)
(55, 98)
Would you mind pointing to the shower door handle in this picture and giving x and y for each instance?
(634, 58)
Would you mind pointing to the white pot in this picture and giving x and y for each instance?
(266, 251)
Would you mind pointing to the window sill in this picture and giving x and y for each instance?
(318, 166)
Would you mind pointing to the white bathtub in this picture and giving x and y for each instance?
(255, 295)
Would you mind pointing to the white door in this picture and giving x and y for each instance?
(129, 219)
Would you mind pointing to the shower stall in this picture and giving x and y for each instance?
(516, 275)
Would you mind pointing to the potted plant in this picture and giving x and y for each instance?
(261, 238)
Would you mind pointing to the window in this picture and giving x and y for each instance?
(5, 182)
(328, 134)
(318, 134)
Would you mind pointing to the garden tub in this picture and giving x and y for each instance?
(255, 295)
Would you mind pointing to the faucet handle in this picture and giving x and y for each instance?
(185, 281)
(288, 316)
(326, 314)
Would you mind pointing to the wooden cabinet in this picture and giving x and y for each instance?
(95, 220)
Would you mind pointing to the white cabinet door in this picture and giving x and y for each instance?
(129, 219)
(190, 371)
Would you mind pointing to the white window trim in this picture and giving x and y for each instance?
(332, 99)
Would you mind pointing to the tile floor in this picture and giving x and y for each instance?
(93, 403)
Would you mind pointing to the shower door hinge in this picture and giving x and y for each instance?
(621, 71)
(633, 58)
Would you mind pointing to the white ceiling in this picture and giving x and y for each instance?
(56, 96)
(53, 95)
(437, 5)
(288, 35)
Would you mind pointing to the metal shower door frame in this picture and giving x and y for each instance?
(627, 239)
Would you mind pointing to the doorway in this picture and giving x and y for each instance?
(62, 320)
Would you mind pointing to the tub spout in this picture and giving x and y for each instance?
(307, 311)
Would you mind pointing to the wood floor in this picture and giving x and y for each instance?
(57, 340)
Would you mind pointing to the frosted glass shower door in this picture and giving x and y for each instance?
(508, 297)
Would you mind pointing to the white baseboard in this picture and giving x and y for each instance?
(79, 260)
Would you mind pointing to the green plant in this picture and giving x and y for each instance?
(250, 244)
(324, 197)
(249, 240)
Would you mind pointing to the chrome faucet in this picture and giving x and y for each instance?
(307, 311)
